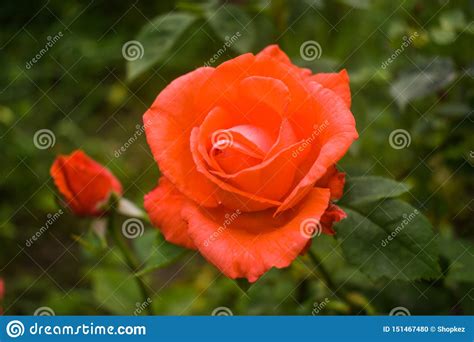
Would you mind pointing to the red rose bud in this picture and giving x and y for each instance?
(85, 184)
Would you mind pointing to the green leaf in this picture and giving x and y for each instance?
(460, 254)
(371, 189)
(329, 252)
(389, 239)
(154, 252)
(422, 81)
(233, 26)
(157, 39)
(117, 291)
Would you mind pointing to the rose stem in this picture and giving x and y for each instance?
(324, 273)
(131, 260)
(332, 285)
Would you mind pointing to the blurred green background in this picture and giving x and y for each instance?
(90, 96)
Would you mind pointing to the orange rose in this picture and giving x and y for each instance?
(85, 184)
(248, 151)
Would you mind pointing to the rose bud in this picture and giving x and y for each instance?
(248, 151)
(85, 184)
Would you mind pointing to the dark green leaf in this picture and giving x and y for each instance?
(117, 291)
(154, 252)
(389, 239)
(234, 27)
(371, 189)
(157, 40)
(424, 80)
(460, 255)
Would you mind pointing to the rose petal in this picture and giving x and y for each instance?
(333, 141)
(332, 214)
(241, 144)
(286, 137)
(164, 205)
(251, 244)
(334, 180)
(221, 89)
(265, 90)
(272, 178)
(337, 82)
(168, 125)
(227, 194)
(274, 52)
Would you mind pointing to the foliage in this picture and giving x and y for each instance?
(91, 97)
